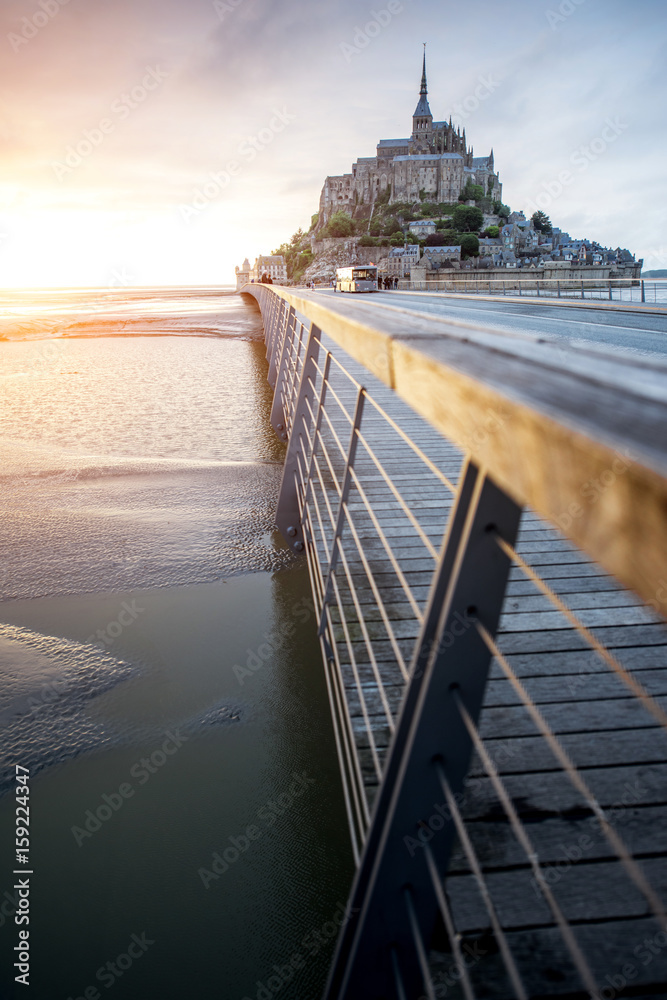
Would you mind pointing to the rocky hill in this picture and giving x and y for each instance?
(340, 252)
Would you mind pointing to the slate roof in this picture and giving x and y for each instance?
(431, 156)
(422, 109)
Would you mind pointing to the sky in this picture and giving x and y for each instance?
(162, 141)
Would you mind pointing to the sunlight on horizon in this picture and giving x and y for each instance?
(72, 248)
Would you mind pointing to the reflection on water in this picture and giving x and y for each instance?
(119, 312)
(134, 463)
(155, 634)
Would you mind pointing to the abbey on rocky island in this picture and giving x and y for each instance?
(435, 164)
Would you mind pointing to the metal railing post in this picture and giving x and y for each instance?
(275, 338)
(643, 292)
(270, 307)
(469, 587)
(344, 494)
(558, 287)
(292, 374)
(287, 513)
(317, 427)
(268, 322)
(283, 347)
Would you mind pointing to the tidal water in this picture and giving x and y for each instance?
(159, 669)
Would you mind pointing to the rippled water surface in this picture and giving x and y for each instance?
(157, 636)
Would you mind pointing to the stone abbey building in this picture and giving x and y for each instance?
(435, 160)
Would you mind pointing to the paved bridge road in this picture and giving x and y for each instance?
(638, 330)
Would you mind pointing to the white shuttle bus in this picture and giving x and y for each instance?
(357, 279)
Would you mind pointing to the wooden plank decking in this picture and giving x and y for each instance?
(616, 745)
(540, 422)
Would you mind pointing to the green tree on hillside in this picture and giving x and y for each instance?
(468, 219)
(296, 253)
(340, 224)
(542, 223)
(392, 226)
(471, 192)
(469, 245)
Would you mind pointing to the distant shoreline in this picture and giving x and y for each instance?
(166, 311)
(129, 291)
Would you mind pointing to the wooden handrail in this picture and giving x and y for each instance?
(580, 436)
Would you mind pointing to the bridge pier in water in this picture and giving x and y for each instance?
(497, 684)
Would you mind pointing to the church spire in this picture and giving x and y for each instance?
(424, 89)
(422, 119)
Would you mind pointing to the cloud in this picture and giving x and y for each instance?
(230, 67)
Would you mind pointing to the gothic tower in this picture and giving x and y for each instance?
(422, 119)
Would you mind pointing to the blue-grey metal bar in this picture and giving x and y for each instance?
(287, 514)
(344, 493)
(430, 729)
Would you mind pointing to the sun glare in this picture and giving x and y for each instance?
(72, 248)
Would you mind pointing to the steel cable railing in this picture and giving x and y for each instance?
(565, 763)
(633, 685)
(521, 834)
(453, 936)
(623, 854)
(400, 552)
(355, 619)
(476, 868)
(631, 289)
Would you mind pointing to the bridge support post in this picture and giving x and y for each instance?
(269, 318)
(275, 337)
(344, 494)
(283, 351)
(287, 513)
(393, 902)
